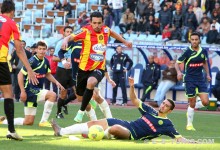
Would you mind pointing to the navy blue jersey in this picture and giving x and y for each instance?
(75, 49)
(193, 61)
(150, 125)
(42, 67)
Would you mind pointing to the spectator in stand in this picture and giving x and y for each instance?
(204, 27)
(178, 5)
(207, 17)
(107, 18)
(212, 35)
(197, 11)
(57, 5)
(150, 77)
(216, 24)
(190, 19)
(169, 80)
(156, 5)
(126, 21)
(68, 8)
(217, 8)
(133, 27)
(188, 35)
(150, 28)
(164, 18)
(216, 16)
(28, 48)
(178, 19)
(150, 11)
(117, 9)
(175, 34)
(53, 68)
(141, 8)
(83, 19)
(164, 60)
(166, 34)
(132, 4)
(33, 47)
(141, 26)
(185, 7)
(157, 26)
(204, 5)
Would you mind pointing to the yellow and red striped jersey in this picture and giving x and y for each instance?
(93, 54)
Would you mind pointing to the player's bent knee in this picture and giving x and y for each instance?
(51, 96)
(205, 103)
(115, 129)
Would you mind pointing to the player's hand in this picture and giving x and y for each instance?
(209, 78)
(32, 77)
(112, 83)
(67, 65)
(179, 76)
(60, 86)
(131, 81)
(128, 44)
(23, 96)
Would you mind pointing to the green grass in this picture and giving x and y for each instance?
(38, 138)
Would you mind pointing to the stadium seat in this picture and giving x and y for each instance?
(97, 7)
(74, 7)
(19, 21)
(136, 72)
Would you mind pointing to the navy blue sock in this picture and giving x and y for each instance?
(9, 112)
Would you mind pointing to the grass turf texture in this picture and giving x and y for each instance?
(35, 138)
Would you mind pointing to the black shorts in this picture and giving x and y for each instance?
(64, 76)
(5, 75)
(82, 77)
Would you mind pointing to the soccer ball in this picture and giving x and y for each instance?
(96, 132)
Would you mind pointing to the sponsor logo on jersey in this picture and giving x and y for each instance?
(196, 65)
(105, 30)
(99, 48)
(40, 76)
(97, 57)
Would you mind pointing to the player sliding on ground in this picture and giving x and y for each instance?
(152, 124)
(32, 94)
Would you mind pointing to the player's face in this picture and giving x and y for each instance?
(195, 41)
(165, 107)
(41, 51)
(67, 32)
(119, 49)
(96, 24)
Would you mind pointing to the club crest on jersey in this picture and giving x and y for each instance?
(101, 37)
(202, 55)
(78, 31)
(99, 48)
(106, 30)
(160, 122)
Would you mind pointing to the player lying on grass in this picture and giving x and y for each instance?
(150, 125)
(32, 94)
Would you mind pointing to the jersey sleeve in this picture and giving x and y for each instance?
(15, 32)
(146, 109)
(79, 34)
(48, 66)
(182, 57)
(171, 132)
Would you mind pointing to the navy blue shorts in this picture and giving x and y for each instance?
(195, 87)
(126, 124)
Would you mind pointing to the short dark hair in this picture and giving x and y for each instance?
(41, 43)
(96, 14)
(67, 27)
(7, 6)
(195, 33)
(23, 41)
(172, 103)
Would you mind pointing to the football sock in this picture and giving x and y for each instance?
(199, 104)
(81, 128)
(107, 135)
(86, 98)
(105, 109)
(47, 110)
(59, 105)
(91, 114)
(190, 115)
(69, 99)
(9, 112)
(17, 121)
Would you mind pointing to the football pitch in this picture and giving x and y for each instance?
(42, 138)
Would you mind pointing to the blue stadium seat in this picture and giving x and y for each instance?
(178, 87)
(136, 72)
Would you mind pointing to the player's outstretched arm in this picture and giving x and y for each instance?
(133, 95)
(66, 40)
(118, 37)
(52, 79)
